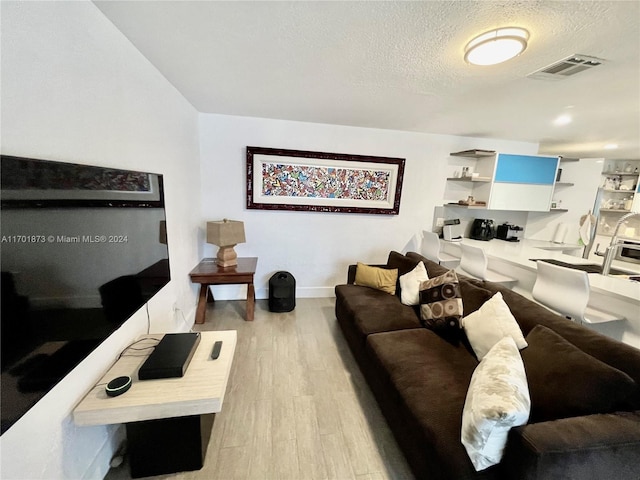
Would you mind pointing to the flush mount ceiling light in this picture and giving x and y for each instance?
(562, 119)
(496, 46)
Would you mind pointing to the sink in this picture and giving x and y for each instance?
(585, 267)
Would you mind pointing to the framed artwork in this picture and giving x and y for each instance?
(29, 183)
(279, 179)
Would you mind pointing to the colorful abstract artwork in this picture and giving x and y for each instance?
(284, 180)
(280, 179)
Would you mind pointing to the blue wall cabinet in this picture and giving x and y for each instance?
(512, 182)
(523, 182)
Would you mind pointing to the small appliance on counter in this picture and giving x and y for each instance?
(452, 230)
(629, 251)
(482, 229)
(509, 233)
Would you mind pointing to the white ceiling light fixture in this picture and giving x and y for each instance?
(611, 146)
(496, 46)
(563, 120)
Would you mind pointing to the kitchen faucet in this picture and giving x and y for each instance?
(615, 243)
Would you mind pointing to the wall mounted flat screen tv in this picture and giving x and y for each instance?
(83, 248)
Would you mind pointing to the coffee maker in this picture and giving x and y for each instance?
(482, 229)
(452, 230)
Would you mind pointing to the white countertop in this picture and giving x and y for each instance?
(521, 253)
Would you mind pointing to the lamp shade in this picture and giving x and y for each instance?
(225, 232)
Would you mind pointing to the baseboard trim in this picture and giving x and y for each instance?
(239, 292)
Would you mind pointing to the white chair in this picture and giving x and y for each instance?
(474, 262)
(430, 249)
(566, 290)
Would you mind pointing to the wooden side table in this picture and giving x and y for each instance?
(208, 273)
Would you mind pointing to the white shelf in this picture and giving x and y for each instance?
(475, 153)
(616, 210)
(611, 190)
(469, 179)
(457, 205)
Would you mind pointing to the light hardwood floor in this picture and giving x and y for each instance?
(297, 406)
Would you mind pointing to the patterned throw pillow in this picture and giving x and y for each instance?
(497, 400)
(441, 302)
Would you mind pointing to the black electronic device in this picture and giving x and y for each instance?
(171, 357)
(482, 229)
(98, 233)
(510, 233)
(118, 386)
(215, 353)
(282, 292)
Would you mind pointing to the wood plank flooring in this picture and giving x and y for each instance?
(297, 406)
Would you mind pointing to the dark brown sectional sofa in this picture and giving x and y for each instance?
(420, 379)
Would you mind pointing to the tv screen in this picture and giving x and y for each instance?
(83, 248)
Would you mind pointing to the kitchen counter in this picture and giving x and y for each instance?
(613, 294)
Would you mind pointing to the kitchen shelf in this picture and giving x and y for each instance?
(564, 184)
(631, 192)
(621, 174)
(617, 210)
(558, 210)
(474, 153)
(457, 205)
(469, 179)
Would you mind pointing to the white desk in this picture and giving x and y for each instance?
(168, 420)
(616, 295)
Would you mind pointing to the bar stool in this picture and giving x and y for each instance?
(431, 249)
(566, 291)
(474, 262)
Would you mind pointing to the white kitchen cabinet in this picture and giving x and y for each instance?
(502, 181)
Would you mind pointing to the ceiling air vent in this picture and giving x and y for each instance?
(566, 67)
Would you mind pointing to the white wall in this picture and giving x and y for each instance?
(317, 247)
(74, 89)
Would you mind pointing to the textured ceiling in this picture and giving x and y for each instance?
(399, 65)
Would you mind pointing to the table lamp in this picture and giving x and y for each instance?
(226, 234)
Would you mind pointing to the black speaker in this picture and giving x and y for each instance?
(282, 292)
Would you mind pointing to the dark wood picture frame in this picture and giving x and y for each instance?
(299, 180)
(37, 183)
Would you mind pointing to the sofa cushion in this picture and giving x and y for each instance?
(489, 324)
(566, 382)
(428, 378)
(402, 263)
(372, 311)
(497, 400)
(441, 303)
(473, 297)
(376, 277)
(410, 284)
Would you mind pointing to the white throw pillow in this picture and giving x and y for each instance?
(497, 400)
(410, 284)
(489, 324)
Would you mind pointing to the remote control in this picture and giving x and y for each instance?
(215, 353)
